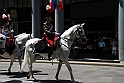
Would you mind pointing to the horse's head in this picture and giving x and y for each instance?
(2, 43)
(80, 33)
(2, 38)
(21, 39)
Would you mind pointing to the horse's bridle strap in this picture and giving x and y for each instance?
(64, 44)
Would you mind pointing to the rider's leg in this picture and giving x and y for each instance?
(50, 53)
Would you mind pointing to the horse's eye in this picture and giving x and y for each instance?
(80, 30)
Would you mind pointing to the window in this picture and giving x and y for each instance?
(79, 0)
(1, 4)
(45, 2)
(25, 3)
(73, 1)
(67, 1)
(19, 3)
(15, 3)
(5, 3)
(29, 3)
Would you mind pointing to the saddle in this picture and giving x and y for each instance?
(43, 46)
(11, 41)
(10, 45)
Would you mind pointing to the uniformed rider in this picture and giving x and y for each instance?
(6, 21)
(6, 30)
(49, 34)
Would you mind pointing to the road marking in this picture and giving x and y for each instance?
(92, 68)
(43, 66)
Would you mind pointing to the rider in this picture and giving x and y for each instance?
(6, 21)
(49, 33)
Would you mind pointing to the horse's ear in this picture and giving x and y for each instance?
(82, 24)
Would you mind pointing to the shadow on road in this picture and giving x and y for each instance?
(54, 81)
(42, 81)
(24, 74)
(20, 75)
(13, 81)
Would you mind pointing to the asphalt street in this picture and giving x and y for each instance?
(45, 73)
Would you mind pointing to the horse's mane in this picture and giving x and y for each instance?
(21, 37)
(69, 31)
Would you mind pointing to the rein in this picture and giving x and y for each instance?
(64, 44)
(70, 40)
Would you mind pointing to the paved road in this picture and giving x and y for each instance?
(45, 72)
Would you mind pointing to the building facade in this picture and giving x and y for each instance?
(100, 18)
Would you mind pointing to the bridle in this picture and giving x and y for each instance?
(79, 31)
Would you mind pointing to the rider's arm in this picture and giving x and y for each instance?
(46, 29)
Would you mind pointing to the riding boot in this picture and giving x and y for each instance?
(54, 42)
(50, 53)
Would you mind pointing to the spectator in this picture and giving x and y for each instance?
(114, 48)
(101, 45)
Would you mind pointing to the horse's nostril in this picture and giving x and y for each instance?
(1, 38)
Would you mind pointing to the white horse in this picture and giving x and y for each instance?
(62, 52)
(17, 50)
(2, 43)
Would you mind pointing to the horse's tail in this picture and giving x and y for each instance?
(25, 61)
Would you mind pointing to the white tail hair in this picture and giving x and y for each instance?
(25, 61)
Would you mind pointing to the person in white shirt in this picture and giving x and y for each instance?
(114, 48)
(101, 45)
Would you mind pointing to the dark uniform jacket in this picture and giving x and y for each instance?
(48, 30)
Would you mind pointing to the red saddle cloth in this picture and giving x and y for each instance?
(50, 41)
(11, 41)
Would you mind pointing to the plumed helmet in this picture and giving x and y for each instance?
(48, 7)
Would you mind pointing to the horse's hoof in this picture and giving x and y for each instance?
(56, 77)
(28, 77)
(72, 78)
(35, 80)
(74, 82)
(21, 71)
(9, 71)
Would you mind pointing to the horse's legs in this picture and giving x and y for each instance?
(11, 63)
(69, 68)
(20, 60)
(59, 68)
(35, 57)
(31, 59)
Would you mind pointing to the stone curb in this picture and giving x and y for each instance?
(77, 62)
